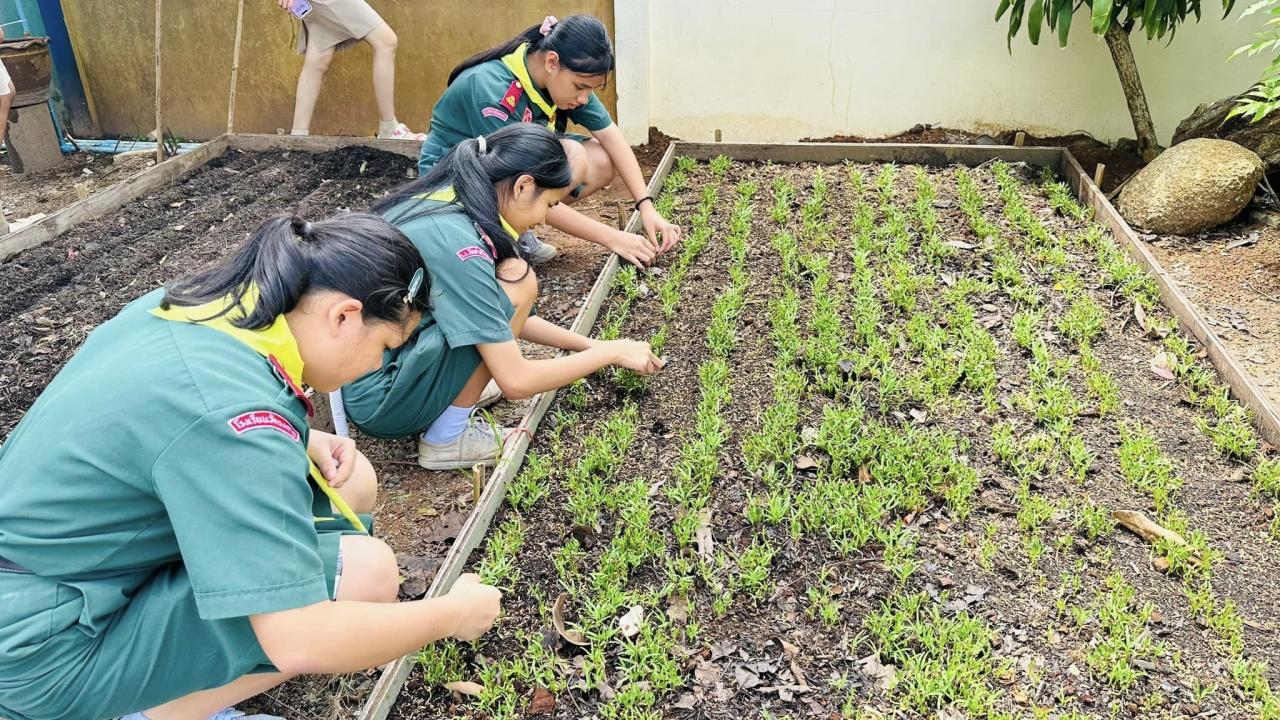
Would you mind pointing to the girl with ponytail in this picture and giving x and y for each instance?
(465, 216)
(548, 75)
(173, 536)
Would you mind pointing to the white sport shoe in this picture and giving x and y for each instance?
(477, 444)
(233, 714)
(536, 251)
(490, 395)
(401, 132)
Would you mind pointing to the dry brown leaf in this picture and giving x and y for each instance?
(864, 475)
(557, 618)
(1140, 315)
(960, 244)
(465, 687)
(804, 462)
(543, 702)
(702, 536)
(678, 609)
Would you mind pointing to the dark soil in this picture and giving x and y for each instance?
(79, 175)
(758, 655)
(1122, 160)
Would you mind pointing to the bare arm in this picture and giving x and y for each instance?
(345, 636)
(628, 167)
(520, 377)
(542, 332)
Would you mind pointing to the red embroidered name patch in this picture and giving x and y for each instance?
(528, 115)
(264, 420)
(494, 113)
(475, 251)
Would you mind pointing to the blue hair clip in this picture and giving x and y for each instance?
(415, 286)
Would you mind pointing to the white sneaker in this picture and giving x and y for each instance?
(477, 444)
(233, 714)
(401, 132)
(490, 395)
(535, 250)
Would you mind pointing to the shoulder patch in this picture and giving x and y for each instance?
(494, 112)
(513, 94)
(264, 420)
(528, 115)
(473, 251)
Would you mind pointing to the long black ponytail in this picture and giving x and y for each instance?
(581, 41)
(358, 254)
(479, 176)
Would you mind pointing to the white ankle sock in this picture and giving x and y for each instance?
(386, 126)
(299, 131)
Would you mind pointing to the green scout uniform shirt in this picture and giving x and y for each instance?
(157, 491)
(487, 96)
(419, 379)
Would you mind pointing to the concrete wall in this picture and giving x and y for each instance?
(764, 70)
(115, 43)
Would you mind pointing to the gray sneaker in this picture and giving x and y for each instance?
(476, 444)
(490, 395)
(536, 251)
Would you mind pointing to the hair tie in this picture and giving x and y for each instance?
(301, 227)
(547, 23)
(484, 144)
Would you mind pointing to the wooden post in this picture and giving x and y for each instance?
(1099, 173)
(235, 71)
(4, 224)
(717, 134)
(622, 215)
(1020, 139)
(159, 117)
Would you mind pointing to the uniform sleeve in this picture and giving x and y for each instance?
(593, 115)
(466, 300)
(234, 485)
(485, 111)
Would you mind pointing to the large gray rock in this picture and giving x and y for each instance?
(1210, 121)
(1192, 186)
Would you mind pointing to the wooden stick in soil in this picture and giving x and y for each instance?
(1098, 174)
(1020, 139)
(235, 70)
(477, 481)
(159, 117)
(4, 224)
(1146, 528)
(717, 134)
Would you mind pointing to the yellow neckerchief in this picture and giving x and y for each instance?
(277, 344)
(449, 195)
(515, 62)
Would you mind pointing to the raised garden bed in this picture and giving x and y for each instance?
(876, 478)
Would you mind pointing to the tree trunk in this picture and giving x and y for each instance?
(1122, 55)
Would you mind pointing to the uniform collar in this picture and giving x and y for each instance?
(274, 342)
(449, 195)
(517, 63)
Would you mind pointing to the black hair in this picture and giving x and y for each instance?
(477, 178)
(357, 254)
(581, 41)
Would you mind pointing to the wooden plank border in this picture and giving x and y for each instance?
(1240, 381)
(392, 680)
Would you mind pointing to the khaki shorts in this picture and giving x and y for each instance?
(337, 23)
(4, 80)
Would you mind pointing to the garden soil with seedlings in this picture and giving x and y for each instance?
(877, 477)
(1232, 274)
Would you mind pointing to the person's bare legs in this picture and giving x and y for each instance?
(522, 294)
(384, 41)
(315, 63)
(599, 173)
(6, 101)
(369, 574)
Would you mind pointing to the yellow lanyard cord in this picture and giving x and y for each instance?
(336, 499)
(515, 63)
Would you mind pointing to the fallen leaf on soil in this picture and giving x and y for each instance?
(960, 244)
(1251, 239)
(543, 703)
(465, 687)
(864, 475)
(918, 415)
(416, 572)
(804, 462)
(991, 321)
(702, 536)
(1161, 564)
(1162, 365)
(445, 527)
(948, 279)
(721, 650)
(707, 674)
(687, 701)
(557, 618)
(884, 675)
(629, 624)
(678, 609)
(746, 679)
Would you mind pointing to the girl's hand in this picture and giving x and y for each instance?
(656, 226)
(634, 355)
(476, 606)
(633, 248)
(284, 4)
(335, 456)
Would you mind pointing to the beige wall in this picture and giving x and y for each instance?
(114, 41)
(770, 70)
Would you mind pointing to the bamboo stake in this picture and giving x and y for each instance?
(1020, 139)
(717, 134)
(159, 117)
(235, 70)
(4, 224)
(1099, 173)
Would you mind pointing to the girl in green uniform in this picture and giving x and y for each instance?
(173, 537)
(464, 217)
(548, 75)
